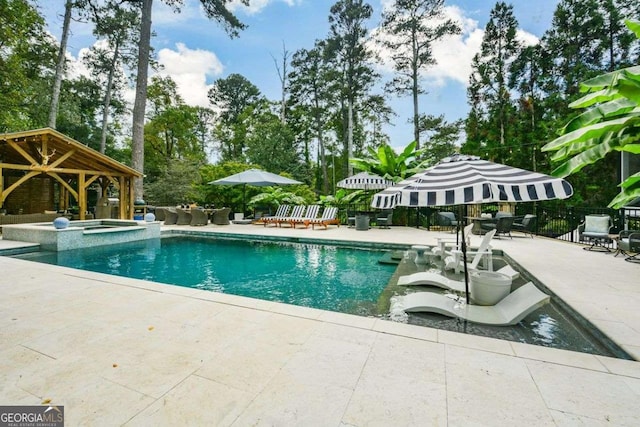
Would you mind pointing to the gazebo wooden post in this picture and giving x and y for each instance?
(82, 196)
(131, 189)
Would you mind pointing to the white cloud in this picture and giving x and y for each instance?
(256, 6)
(454, 54)
(190, 69)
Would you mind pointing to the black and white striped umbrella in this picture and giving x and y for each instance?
(364, 181)
(461, 180)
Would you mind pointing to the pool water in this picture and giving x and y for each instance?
(332, 278)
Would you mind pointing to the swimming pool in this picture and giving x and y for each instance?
(343, 279)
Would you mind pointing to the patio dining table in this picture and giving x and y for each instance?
(477, 223)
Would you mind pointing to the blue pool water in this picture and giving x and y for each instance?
(320, 276)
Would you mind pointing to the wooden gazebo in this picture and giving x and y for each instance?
(39, 166)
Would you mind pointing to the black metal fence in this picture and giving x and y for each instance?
(552, 218)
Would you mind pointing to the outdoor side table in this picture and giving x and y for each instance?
(420, 254)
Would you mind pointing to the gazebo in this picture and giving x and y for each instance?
(42, 169)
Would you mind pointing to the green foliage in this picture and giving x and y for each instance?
(342, 198)
(274, 197)
(612, 123)
(174, 185)
(387, 164)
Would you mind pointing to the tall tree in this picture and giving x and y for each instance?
(60, 67)
(213, 9)
(119, 26)
(489, 78)
(230, 97)
(283, 76)
(27, 54)
(310, 90)
(348, 50)
(409, 30)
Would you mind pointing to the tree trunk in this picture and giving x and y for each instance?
(349, 137)
(107, 98)
(139, 105)
(57, 83)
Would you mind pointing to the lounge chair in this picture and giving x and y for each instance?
(384, 218)
(628, 243)
(296, 214)
(199, 217)
(310, 215)
(427, 278)
(526, 225)
(509, 311)
(170, 216)
(221, 216)
(447, 219)
(448, 242)
(281, 212)
(329, 216)
(597, 230)
(455, 260)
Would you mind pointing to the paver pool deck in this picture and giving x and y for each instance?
(120, 351)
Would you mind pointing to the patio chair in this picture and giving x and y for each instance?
(447, 219)
(296, 214)
(628, 243)
(596, 229)
(199, 217)
(455, 260)
(502, 225)
(351, 218)
(170, 216)
(281, 212)
(221, 216)
(160, 213)
(526, 225)
(310, 215)
(445, 243)
(329, 216)
(184, 217)
(384, 218)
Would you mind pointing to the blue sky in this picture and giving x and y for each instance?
(196, 52)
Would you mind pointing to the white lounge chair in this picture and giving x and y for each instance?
(296, 215)
(427, 278)
(443, 242)
(455, 260)
(509, 311)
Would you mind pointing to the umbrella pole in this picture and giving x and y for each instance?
(464, 260)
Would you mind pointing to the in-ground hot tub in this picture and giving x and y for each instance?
(82, 234)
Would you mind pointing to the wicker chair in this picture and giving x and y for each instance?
(629, 245)
(221, 216)
(170, 216)
(199, 217)
(184, 217)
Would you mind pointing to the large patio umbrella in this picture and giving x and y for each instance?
(255, 177)
(364, 181)
(462, 180)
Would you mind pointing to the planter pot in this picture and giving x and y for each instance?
(488, 287)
